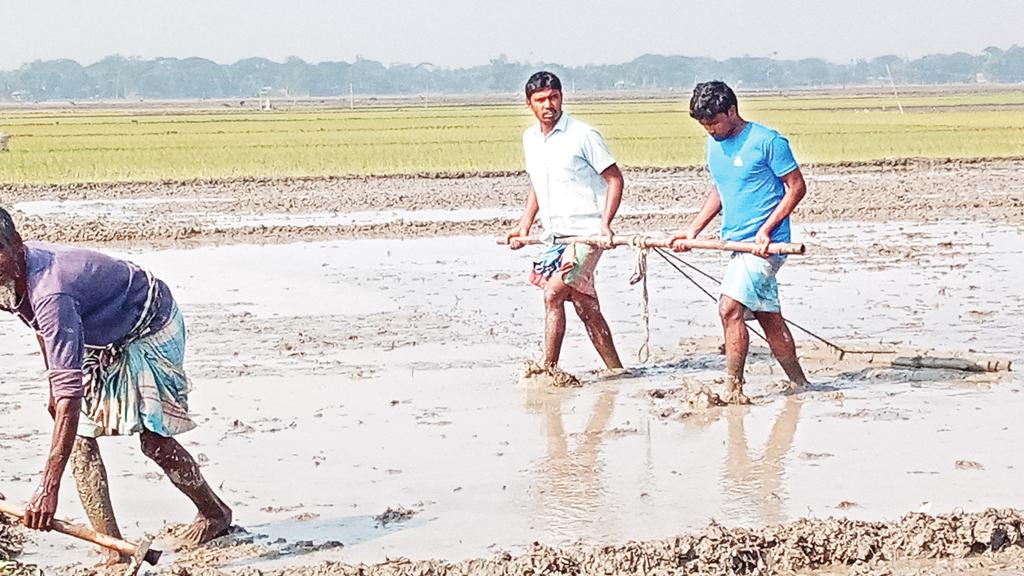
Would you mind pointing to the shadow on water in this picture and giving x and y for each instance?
(295, 539)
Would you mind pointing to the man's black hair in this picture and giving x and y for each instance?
(542, 81)
(711, 98)
(8, 233)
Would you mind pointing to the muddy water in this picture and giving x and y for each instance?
(335, 380)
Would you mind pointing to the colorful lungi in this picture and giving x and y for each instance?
(575, 263)
(139, 383)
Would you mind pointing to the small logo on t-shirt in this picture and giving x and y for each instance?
(737, 161)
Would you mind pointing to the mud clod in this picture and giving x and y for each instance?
(702, 398)
(393, 515)
(552, 375)
(12, 542)
(968, 465)
(12, 538)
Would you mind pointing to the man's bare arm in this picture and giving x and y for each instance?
(711, 207)
(613, 177)
(43, 505)
(796, 189)
(525, 222)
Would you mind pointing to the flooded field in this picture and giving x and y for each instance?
(360, 399)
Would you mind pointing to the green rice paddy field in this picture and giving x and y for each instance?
(50, 146)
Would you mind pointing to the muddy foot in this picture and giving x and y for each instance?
(784, 387)
(207, 528)
(112, 558)
(606, 374)
(735, 397)
(734, 391)
(792, 388)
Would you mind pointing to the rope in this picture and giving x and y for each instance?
(835, 348)
(640, 275)
(665, 255)
(640, 244)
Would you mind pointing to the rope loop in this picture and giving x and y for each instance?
(639, 242)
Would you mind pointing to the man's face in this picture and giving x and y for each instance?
(722, 125)
(546, 105)
(8, 263)
(8, 279)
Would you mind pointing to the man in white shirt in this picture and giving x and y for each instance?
(576, 187)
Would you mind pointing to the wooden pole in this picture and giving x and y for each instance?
(965, 364)
(895, 92)
(88, 535)
(640, 241)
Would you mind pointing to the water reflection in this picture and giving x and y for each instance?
(754, 487)
(569, 499)
(573, 498)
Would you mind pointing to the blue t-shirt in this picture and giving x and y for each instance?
(747, 170)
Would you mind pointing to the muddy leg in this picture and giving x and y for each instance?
(555, 295)
(214, 517)
(780, 339)
(737, 343)
(589, 311)
(94, 491)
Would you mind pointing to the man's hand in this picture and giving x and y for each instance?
(40, 510)
(678, 241)
(512, 238)
(763, 239)
(608, 235)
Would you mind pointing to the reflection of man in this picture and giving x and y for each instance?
(576, 188)
(756, 485)
(571, 492)
(114, 342)
(757, 185)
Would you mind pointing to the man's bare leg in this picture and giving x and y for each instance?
(780, 339)
(214, 517)
(589, 310)
(94, 491)
(555, 295)
(737, 343)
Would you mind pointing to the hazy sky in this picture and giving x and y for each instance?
(467, 32)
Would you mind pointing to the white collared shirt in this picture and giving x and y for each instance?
(565, 169)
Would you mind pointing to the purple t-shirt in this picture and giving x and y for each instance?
(78, 298)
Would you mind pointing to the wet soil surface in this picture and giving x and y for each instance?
(361, 400)
(231, 211)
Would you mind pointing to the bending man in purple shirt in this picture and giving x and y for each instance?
(114, 344)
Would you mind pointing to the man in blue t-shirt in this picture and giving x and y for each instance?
(757, 185)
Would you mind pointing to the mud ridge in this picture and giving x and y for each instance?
(803, 545)
(73, 187)
(308, 209)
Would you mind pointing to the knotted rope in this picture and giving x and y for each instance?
(640, 244)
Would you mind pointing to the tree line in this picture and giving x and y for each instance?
(118, 77)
